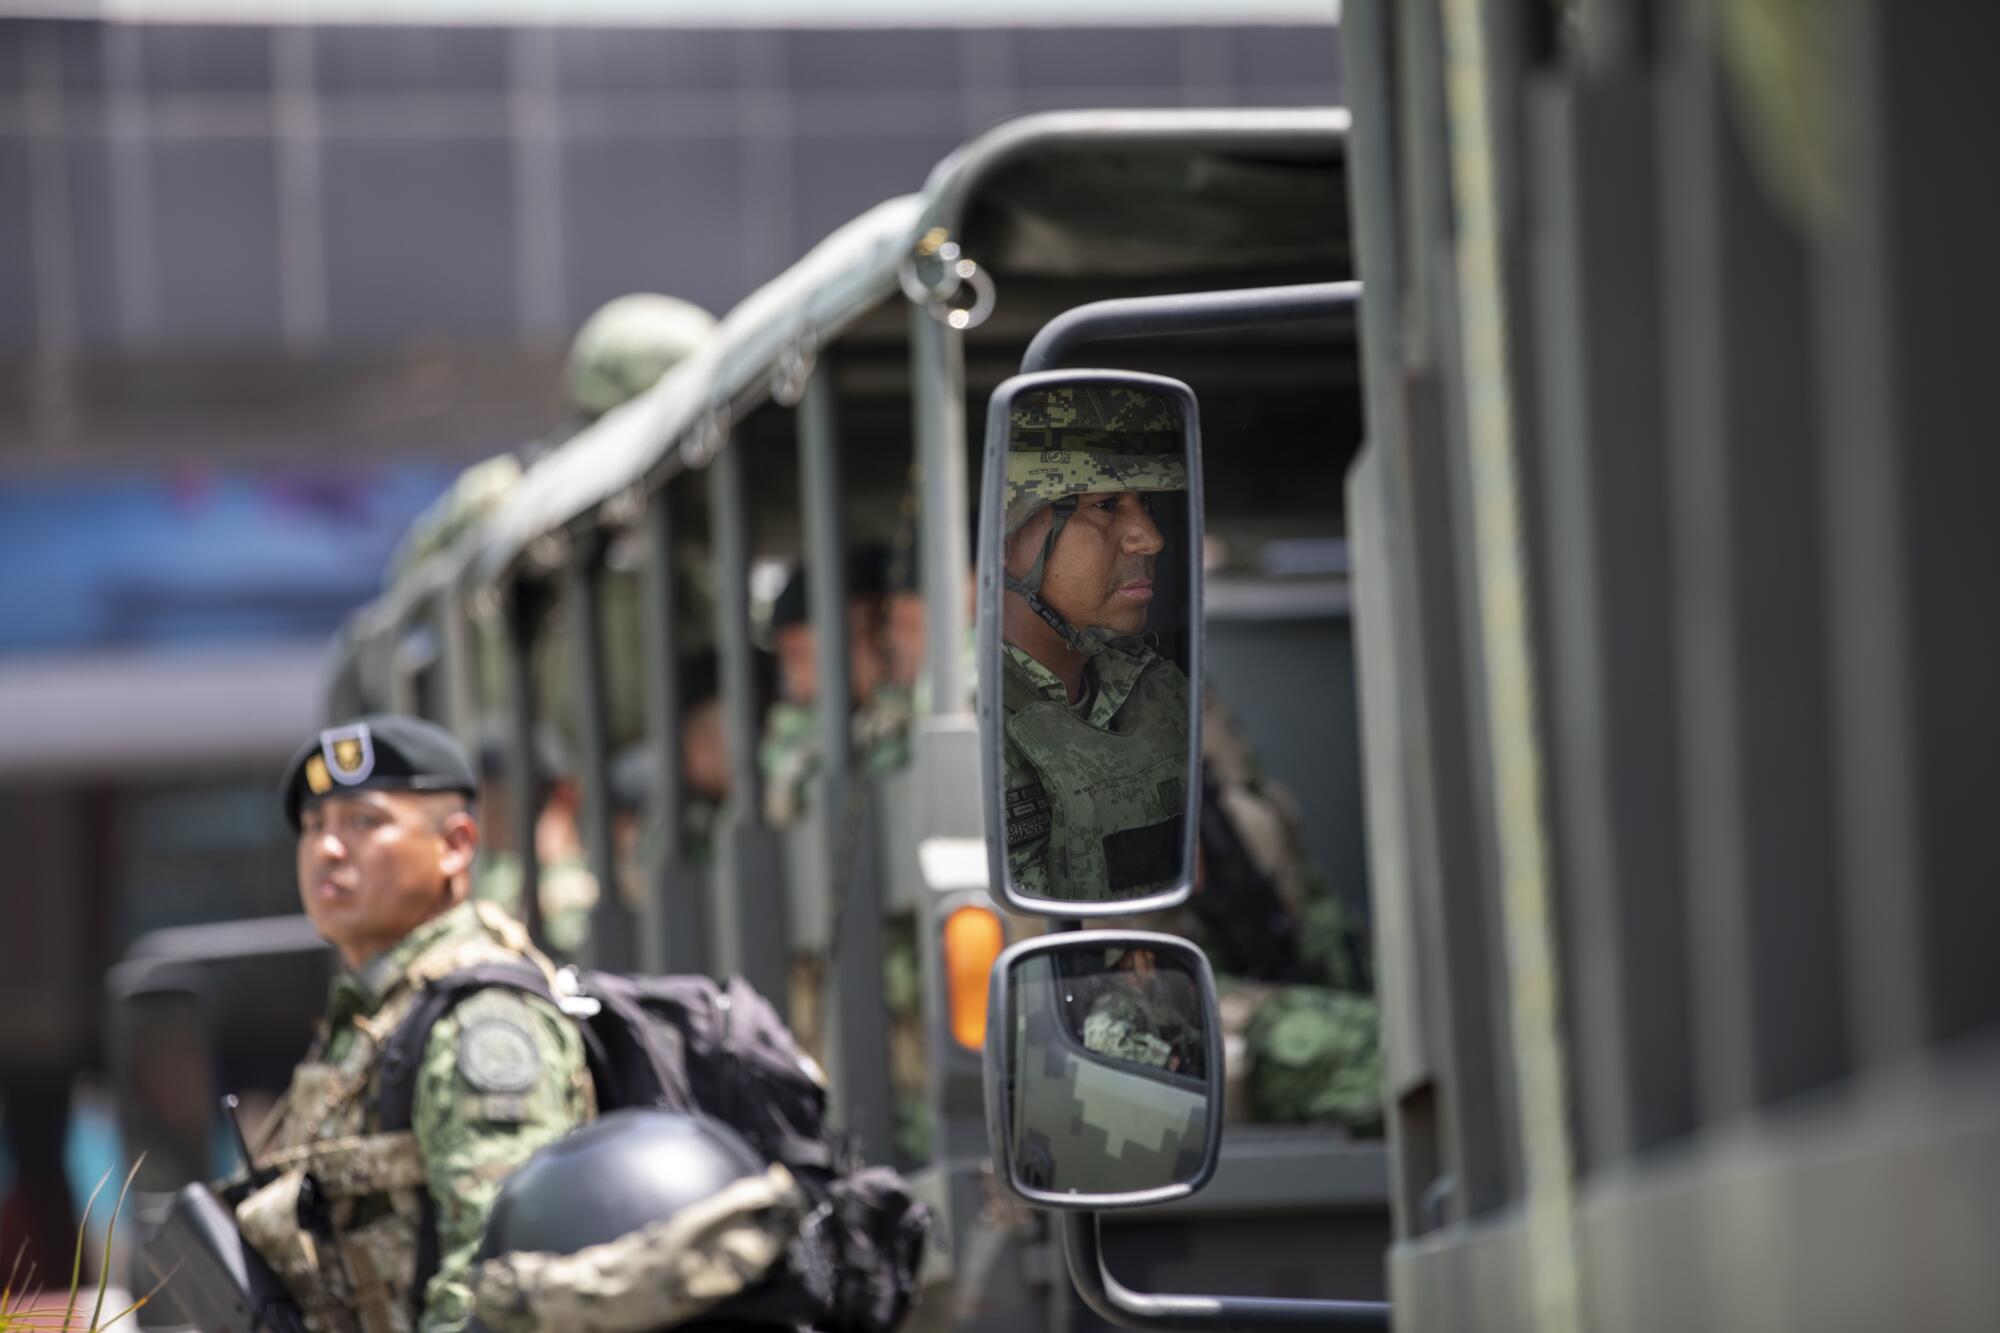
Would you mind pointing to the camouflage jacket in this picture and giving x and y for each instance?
(1096, 793)
(502, 1074)
(788, 756)
(1131, 1024)
(792, 750)
(565, 887)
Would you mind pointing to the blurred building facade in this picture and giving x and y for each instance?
(263, 289)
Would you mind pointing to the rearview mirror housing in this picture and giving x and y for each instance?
(1104, 1069)
(1089, 642)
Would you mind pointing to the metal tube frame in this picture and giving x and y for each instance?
(521, 612)
(748, 895)
(673, 926)
(1083, 1250)
(609, 945)
(1186, 312)
(856, 1044)
(938, 353)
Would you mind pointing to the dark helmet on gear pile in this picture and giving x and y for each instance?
(1082, 439)
(643, 1220)
(623, 349)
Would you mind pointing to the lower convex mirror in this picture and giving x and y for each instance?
(1090, 641)
(1103, 1069)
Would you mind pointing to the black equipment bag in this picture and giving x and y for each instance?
(689, 1043)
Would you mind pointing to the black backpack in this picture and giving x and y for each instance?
(689, 1043)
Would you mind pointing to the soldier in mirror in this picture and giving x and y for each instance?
(1146, 1014)
(1095, 719)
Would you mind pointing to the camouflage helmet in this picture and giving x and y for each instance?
(1083, 438)
(623, 349)
(472, 496)
(1070, 440)
(645, 1219)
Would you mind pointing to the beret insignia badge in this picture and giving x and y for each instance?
(349, 753)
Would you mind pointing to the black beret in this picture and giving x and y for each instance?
(380, 752)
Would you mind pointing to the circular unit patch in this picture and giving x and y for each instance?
(495, 1055)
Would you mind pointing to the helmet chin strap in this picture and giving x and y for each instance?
(1089, 644)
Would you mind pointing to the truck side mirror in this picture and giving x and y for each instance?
(1103, 1069)
(1090, 642)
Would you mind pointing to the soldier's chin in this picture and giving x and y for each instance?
(1125, 620)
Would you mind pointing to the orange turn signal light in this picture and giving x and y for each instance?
(973, 938)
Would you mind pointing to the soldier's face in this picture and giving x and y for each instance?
(1101, 570)
(798, 667)
(705, 750)
(373, 866)
(797, 649)
(903, 638)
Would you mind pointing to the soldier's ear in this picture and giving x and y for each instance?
(460, 832)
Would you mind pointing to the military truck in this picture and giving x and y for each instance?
(826, 413)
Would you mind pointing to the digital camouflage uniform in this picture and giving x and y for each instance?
(502, 1074)
(1130, 1021)
(790, 753)
(565, 885)
(1096, 792)
(1310, 1051)
(1315, 1055)
(789, 757)
(1088, 439)
(1323, 1062)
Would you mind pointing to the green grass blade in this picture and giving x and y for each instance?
(76, 1264)
(7, 1293)
(110, 1232)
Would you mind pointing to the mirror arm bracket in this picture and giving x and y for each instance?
(1186, 312)
(1083, 1251)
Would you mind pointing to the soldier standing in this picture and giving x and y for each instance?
(375, 1231)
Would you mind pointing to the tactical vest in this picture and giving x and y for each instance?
(343, 1221)
(1110, 795)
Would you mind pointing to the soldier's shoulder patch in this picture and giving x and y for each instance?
(498, 1056)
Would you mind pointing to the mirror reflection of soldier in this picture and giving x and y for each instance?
(386, 835)
(1146, 1016)
(1095, 720)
